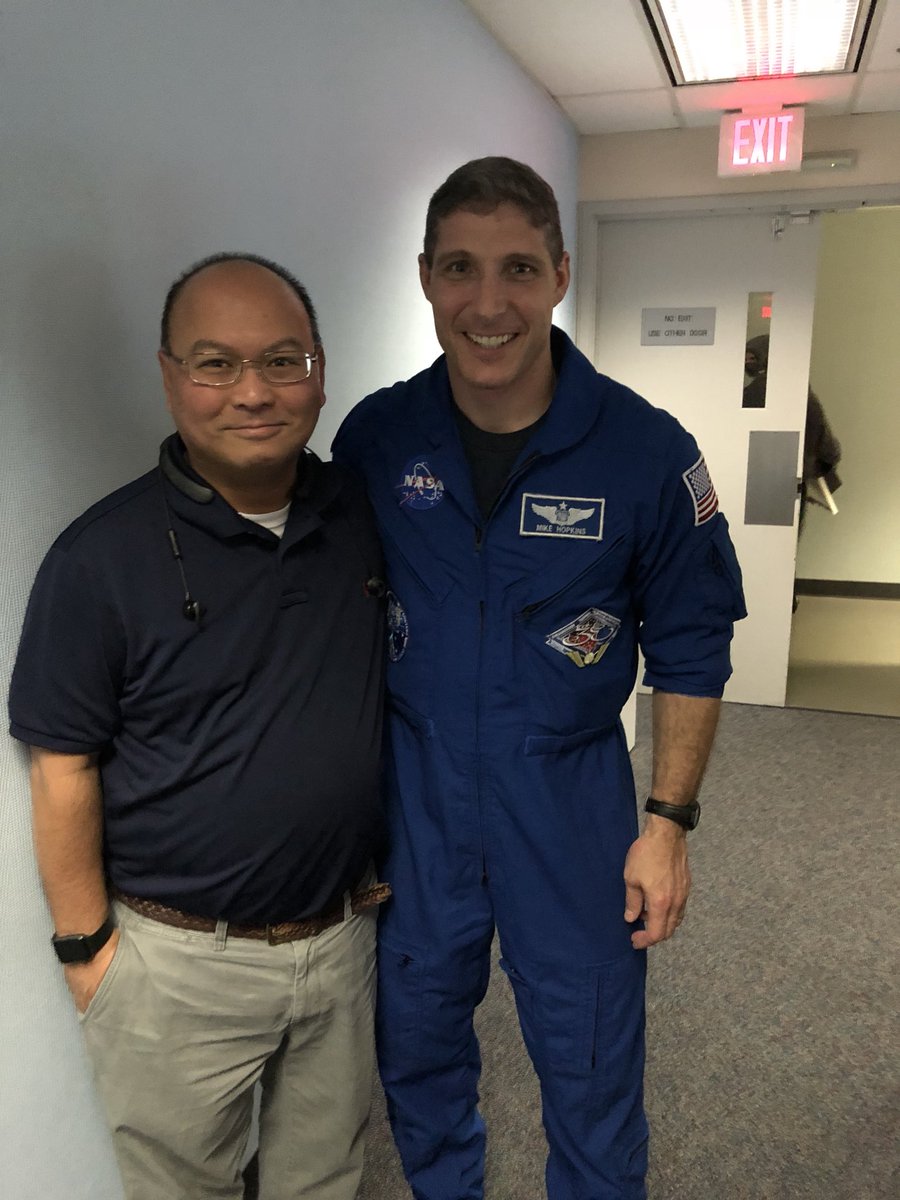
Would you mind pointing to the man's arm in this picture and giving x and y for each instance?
(68, 836)
(657, 875)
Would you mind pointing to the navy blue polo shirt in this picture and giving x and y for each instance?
(239, 758)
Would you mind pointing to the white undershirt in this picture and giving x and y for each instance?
(273, 521)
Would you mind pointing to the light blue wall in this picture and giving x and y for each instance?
(137, 136)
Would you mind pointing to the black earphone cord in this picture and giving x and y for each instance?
(191, 609)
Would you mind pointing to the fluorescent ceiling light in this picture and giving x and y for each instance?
(706, 40)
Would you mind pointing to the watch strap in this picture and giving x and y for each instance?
(81, 947)
(685, 815)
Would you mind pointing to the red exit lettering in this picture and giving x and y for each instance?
(769, 137)
(754, 143)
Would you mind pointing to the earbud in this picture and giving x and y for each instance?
(191, 610)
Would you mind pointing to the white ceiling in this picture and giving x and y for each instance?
(599, 61)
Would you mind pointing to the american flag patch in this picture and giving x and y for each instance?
(703, 494)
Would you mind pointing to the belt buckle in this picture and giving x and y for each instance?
(275, 934)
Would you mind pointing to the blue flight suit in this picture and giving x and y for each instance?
(513, 646)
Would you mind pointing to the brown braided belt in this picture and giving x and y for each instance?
(275, 935)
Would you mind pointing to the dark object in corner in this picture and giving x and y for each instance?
(251, 1178)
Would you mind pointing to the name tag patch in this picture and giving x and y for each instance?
(585, 639)
(562, 516)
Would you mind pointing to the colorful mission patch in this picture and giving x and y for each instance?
(585, 639)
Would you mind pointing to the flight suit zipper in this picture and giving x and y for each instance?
(480, 531)
(524, 613)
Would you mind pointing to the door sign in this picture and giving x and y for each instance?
(678, 326)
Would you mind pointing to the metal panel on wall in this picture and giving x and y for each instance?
(771, 496)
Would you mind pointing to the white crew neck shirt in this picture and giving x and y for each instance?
(273, 521)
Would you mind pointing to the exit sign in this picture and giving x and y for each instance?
(761, 142)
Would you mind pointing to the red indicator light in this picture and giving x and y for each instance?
(766, 312)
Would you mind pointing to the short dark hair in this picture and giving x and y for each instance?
(210, 261)
(484, 184)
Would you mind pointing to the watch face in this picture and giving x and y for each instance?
(81, 947)
(72, 949)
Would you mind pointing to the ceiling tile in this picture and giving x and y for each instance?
(577, 46)
(879, 91)
(882, 54)
(617, 112)
(822, 95)
(599, 59)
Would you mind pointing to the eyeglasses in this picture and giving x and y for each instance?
(215, 369)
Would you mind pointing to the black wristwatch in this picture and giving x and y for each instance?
(685, 815)
(81, 947)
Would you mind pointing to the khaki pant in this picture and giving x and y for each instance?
(183, 1026)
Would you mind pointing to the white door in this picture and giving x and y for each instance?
(714, 262)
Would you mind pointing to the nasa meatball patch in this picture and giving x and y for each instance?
(561, 516)
(585, 639)
(419, 487)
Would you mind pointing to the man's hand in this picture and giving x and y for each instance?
(84, 978)
(657, 876)
(657, 881)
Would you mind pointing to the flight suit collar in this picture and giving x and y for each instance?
(576, 402)
(573, 410)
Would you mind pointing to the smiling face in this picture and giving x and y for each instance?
(244, 439)
(493, 286)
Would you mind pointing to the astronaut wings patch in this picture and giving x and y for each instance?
(562, 516)
(703, 495)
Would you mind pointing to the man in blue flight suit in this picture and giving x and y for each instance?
(539, 522)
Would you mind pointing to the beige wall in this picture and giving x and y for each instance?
(682, 162)
(854, 370)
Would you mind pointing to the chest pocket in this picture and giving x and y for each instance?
(575, 643)
(554, 589)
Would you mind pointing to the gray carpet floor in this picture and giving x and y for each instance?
(773, 1015)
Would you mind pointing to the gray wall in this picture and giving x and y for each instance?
(137, 136)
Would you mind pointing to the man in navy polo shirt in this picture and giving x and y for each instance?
(539, 523)
(199, 681)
